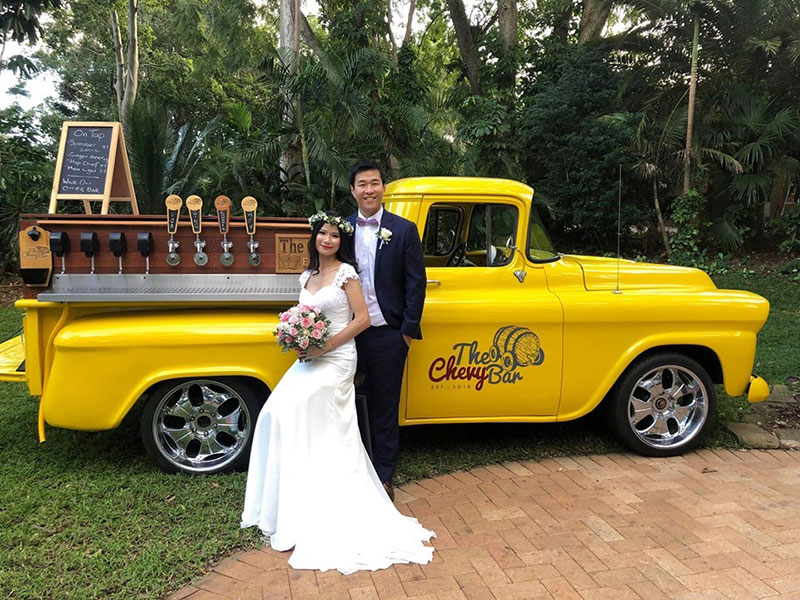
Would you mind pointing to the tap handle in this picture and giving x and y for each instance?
(144, 243)
(117, 243)
(249, 207)
(59, 243)
(174, 204)
(89, 243)
(223, 206)
(195, 206)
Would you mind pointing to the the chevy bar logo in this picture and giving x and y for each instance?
(512, 348)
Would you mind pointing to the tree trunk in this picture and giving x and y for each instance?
(466, 44)
(410, 21)
(507, 20)
(132, 66)
(5, 41)
(778, 191)
(286, 28)
(119, 60)
(561, 24)
(687, 158)
(391, 33)
(291, 162)
(309, 37)
(660, 216)
(593, 19)
(507, 23)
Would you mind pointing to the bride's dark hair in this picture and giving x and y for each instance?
(347, 246)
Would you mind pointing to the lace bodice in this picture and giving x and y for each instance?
(331, 299)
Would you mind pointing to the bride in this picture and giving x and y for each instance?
(311, 485)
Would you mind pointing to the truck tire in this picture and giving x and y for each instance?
(200, 425)
(663, 405)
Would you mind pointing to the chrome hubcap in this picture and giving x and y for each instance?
(668, 406)
(201, 425)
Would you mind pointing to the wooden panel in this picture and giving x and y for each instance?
(291, 252)
(134, 262)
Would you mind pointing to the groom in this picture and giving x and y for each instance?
(389, 255)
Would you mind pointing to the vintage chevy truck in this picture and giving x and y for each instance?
(513, 332)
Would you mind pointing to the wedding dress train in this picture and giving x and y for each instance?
(311, 485)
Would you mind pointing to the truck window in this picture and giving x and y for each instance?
(490, 226)
(540, 248)
(441, 230)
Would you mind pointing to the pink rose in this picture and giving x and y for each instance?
(302, 307)
(288, 339)
(284, 317)
(316, 334)
(293, 331)
(319, 325)
(304, 343)
(293, 320)
(305, 323)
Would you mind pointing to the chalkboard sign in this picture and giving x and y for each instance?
(93, 165)
(84, 166)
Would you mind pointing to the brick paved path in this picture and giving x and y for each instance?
(711, 524)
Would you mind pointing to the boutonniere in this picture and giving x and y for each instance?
(384, 235)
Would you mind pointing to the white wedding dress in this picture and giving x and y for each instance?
(311, 485)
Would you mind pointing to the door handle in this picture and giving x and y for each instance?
(434, 282)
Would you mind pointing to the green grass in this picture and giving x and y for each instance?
(86, 515)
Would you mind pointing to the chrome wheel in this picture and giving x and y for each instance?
(201, 426)
(668, 406)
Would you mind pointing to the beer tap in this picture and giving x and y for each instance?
(144, 243)
(118, 246)
(223, 206)
(174, 204)
(194, 205)
(249, 206)
(89, 246)
(59, 245)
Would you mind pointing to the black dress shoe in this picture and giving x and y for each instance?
(389, 490)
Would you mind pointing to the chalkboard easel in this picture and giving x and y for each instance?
(92, 165)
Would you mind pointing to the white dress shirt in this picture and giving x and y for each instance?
(366, 248)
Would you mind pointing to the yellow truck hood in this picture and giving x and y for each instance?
(601, 274)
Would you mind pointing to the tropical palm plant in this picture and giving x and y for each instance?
(164, 160)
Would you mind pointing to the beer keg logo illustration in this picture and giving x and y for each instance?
(518, 344)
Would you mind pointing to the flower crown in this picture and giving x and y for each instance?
(339, 222)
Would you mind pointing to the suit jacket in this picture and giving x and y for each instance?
(400, 280)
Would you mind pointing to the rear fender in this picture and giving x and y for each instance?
(102, 364)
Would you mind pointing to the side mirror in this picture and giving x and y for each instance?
(519, 273)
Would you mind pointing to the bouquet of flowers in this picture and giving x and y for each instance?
(302, 327)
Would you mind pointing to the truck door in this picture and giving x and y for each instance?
(492, 345)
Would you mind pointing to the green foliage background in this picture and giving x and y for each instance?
(558, 114)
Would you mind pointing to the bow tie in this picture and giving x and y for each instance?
(362, 221)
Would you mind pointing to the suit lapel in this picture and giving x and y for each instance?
(386, 221)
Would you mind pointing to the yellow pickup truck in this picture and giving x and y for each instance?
(513, 331)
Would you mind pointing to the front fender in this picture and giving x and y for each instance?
(605, 333)
(103, 363)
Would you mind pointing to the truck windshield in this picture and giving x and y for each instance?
(540, 248)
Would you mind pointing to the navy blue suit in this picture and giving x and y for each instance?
(400, 288)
